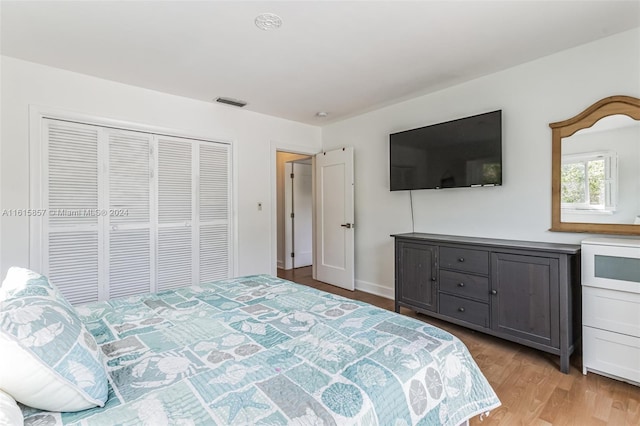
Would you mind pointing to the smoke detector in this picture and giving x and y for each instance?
(268, 21)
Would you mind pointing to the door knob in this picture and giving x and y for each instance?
(347, 225)
(494, 291)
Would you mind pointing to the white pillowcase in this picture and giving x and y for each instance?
(10, 413)
(48, 359)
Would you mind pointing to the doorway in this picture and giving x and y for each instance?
(294, 210)
(332, 217)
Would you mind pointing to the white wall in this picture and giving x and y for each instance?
(531, 96)
(24, 84)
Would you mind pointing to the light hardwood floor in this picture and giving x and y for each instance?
(529, 383)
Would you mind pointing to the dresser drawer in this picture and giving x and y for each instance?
(611, 310)
(611, 263)
(611, 353)
(465, 260)
(466, 285)
(464, 309)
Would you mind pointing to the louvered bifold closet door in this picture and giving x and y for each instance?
(131, 212)
(214, 211)
(175, 212)
(130, 242)
(72, 241)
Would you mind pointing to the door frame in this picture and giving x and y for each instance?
(289, 204)
(273, 243)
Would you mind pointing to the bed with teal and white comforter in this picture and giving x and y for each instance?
(265, 351)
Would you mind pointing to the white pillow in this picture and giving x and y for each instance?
(48, 359)
(10, 413)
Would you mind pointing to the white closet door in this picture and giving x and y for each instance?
(131, 212)
(131, 251)
(214, 210)
(175, 212)
(73, 243)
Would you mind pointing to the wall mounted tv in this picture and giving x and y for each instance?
(461, 153)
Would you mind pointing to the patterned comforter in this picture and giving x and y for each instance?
(265, 351)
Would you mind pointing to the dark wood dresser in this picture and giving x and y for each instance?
(526, 292)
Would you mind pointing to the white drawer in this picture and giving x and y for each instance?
(611, 310)
(612, 263)
(613, 354)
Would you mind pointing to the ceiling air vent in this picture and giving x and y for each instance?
(229, 101)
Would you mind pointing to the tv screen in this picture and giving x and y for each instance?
(461, 153)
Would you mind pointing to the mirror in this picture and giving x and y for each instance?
(596, 169)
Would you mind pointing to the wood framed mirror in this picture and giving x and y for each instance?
(595, 166)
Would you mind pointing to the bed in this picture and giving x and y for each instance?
(265, 351)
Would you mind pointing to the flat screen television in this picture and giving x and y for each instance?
(461, 153)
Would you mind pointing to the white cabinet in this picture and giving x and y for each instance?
(611, 307)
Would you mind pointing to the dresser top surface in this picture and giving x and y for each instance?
(533, 245)
(618, 242)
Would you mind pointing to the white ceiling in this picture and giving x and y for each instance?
(341, 57)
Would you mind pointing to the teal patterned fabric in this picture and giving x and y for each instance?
(38, 318)
(265, 351)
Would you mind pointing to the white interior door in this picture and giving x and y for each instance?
(73, 244)
(335, 218)
(298, 211)
(175, 213)
(302, 212)
(288, 221)
(130, 244)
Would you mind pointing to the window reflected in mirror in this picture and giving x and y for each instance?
(600, 172)
(589, 183)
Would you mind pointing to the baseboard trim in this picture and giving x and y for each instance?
(280, 264)
(377, 289)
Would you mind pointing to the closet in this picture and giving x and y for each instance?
(130, 212)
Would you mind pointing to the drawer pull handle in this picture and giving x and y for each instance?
(494, 291)
(461, 309)
(460, 284)
(433, 278)
(461, 259)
